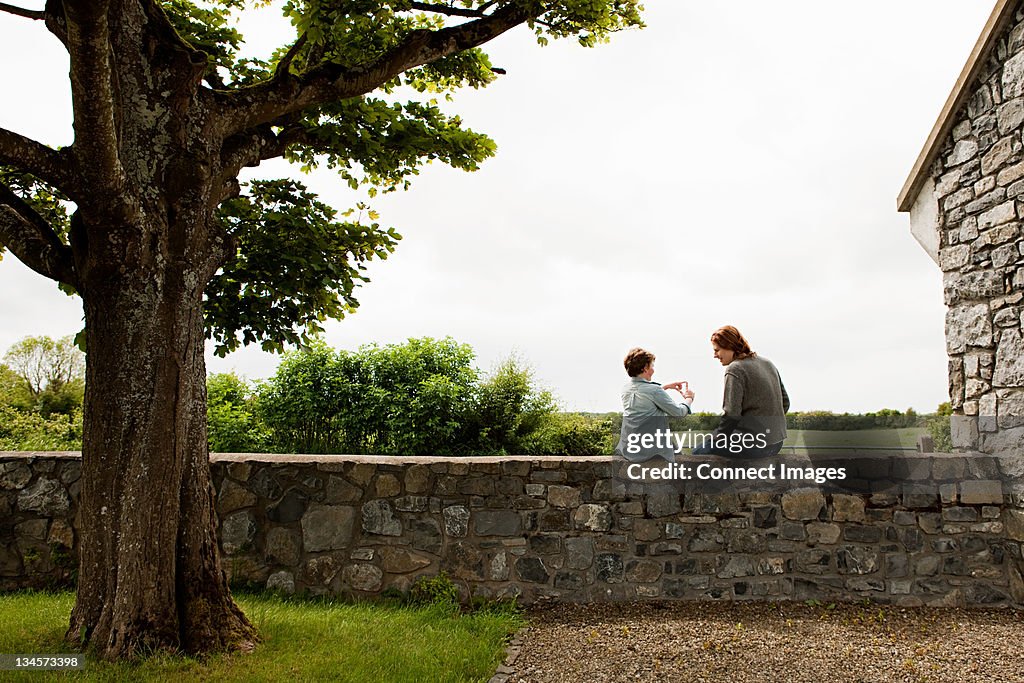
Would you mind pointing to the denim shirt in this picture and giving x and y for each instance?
(646, 408)
(644, 398)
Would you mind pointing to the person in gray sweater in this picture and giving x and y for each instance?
(755, 402)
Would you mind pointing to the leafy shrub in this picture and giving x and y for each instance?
(509, 410)
(571, 434)
(30, 431)
(232, 423)
(438, 591)
(423, 397)
(939, 428)
(411, 398)
(14, 391)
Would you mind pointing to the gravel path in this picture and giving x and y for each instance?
(781, 643)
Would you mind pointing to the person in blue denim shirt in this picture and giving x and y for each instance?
(646, 407)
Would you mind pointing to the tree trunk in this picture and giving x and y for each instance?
(150, 575)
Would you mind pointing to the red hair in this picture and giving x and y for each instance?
(728, 337)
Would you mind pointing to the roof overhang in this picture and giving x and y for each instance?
(1002, 14)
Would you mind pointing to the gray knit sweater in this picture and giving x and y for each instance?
(755, 399)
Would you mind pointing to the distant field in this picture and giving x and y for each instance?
(867, 438)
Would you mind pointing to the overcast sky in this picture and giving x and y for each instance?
(733, 163)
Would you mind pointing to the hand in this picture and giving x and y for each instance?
(678, 386)
(688, 394)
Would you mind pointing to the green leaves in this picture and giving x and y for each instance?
(467, 68)
(409, 398)
(423, 397)
(206, 27)
(296, 266)
(49, 203)
(382, 144)
(591, 21)
(232, 425)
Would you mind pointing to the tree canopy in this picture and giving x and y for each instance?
(355, 91)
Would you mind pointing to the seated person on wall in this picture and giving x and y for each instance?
(646, 407)
(755, 402)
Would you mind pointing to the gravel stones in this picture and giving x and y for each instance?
(744, 643)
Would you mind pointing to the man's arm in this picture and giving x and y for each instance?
(665, 402)
(785, 396)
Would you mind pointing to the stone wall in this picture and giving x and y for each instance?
(979, 185)
(537, 528)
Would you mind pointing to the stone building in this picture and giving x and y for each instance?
(965, 196)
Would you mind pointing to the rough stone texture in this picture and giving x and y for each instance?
(592, 517)
(456, 520)
(847, 508)
(46, 497)
(498, 523)
(378, 518)
(282, 582)
(400, 561)
(820, 533)
(979, 188)
(14, 475)
(338, 490)
(233, 496)
(290, 508)
(363, 577)
(327, 527)
(237, 532)
(563, 496)
(802, 504)
(283, 546)
(630, 544)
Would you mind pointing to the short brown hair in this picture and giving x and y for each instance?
(637, 361)
(728, 337)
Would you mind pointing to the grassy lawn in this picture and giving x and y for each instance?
(302, 641)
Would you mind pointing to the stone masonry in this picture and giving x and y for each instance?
(978, 178)
(539, 528)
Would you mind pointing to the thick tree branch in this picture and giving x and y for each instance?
(32, 240)
(49, 165)
(214, 80)
(93, 94)
(250, 149)
(53, 16)
(447, 10)
(286, 61)
(162, 27)
(22, 12)
(247, 108)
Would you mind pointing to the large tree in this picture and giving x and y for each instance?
(143, 216)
